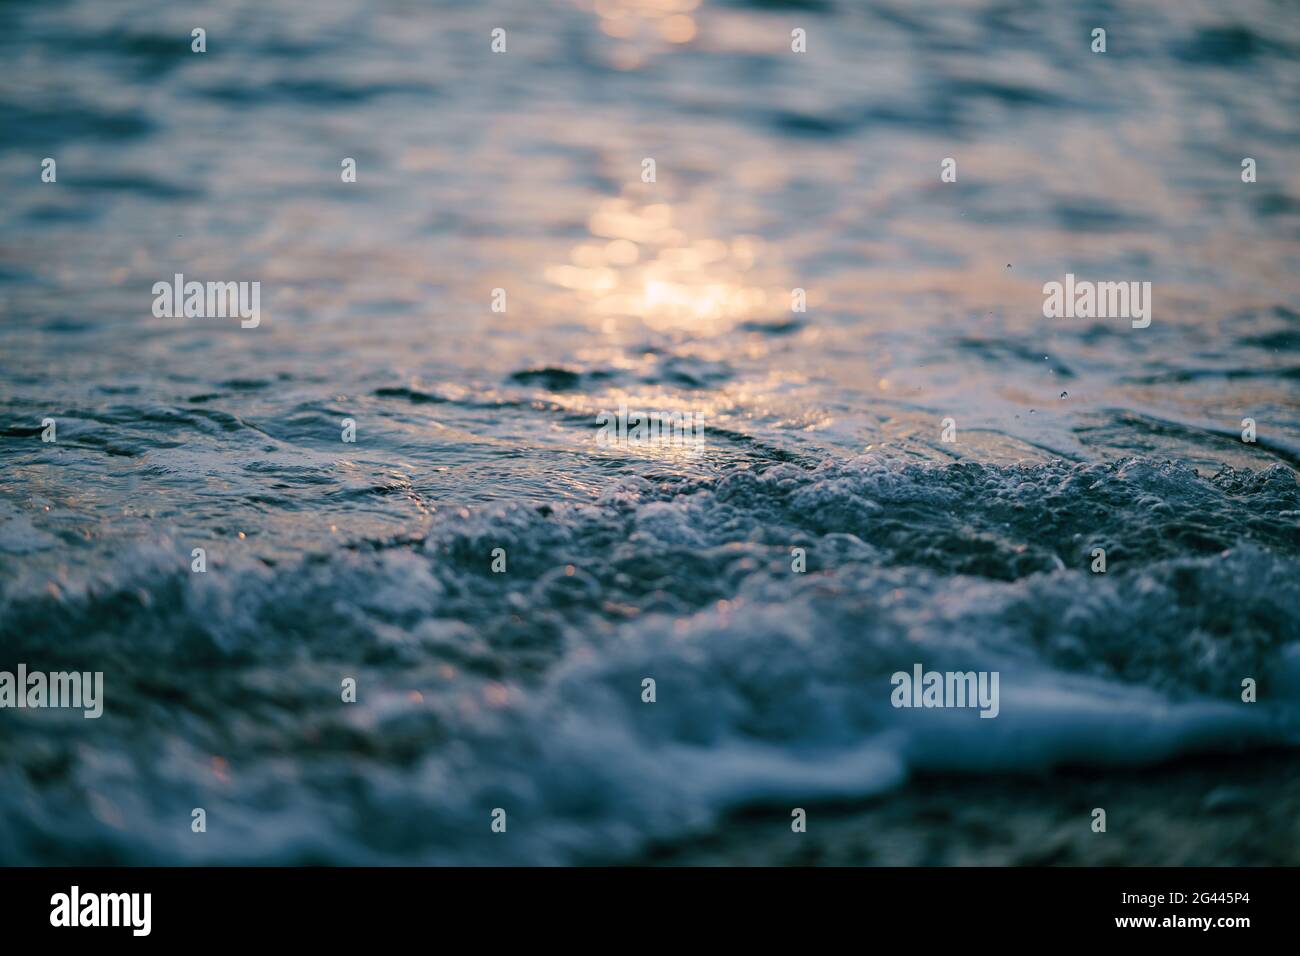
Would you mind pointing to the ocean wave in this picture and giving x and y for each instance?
(522, 690)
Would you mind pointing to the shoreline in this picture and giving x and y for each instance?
(1208, 811)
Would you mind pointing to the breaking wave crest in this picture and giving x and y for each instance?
(522, 690)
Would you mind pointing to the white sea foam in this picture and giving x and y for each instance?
(771, 685)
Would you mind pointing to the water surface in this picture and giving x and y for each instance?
(476, 429)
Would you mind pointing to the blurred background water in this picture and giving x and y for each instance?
(476, 429)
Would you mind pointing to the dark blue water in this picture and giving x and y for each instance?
(476, 429)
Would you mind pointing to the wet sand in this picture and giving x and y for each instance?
(1220, 812)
